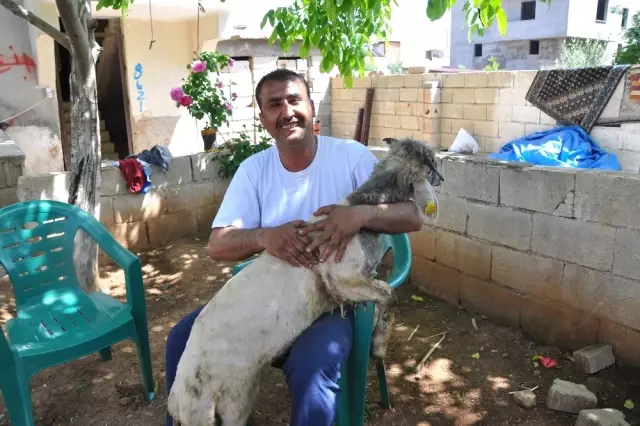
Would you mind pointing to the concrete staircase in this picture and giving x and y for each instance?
(108, 148)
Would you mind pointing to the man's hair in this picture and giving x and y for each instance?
(281, 75)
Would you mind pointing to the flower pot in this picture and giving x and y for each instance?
(209, 138)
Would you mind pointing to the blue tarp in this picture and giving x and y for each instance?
(564, 146)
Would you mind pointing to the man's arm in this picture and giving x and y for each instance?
(233, 244)
(395, 218)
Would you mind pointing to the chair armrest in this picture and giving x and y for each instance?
(120, 255)
(240, 266)
(5, 351)
(401, 261)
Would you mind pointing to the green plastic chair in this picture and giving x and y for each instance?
(353, 380)
(56, 321)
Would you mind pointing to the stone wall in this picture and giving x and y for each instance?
(182, 202)
(551, 250)
(491, 106)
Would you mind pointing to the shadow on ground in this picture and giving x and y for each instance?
(453, 388)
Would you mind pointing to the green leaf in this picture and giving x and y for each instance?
(475, 356)
(501, 16)
(629, 405)
(436, 9)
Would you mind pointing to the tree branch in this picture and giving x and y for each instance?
(37, 22)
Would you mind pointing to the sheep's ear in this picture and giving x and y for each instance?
(427, 201)
(390, 141)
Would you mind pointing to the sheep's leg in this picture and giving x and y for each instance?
(235, 408)
(383, 320)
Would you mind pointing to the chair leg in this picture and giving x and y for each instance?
(144, 356)
(385, 401)
(105, 354)
(17, 399)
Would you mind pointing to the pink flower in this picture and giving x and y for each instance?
(228, 106)
(198, 66)
(231, 62)
(186, 100)
(219, 85)
(176, 94)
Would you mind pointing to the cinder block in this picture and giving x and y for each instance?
(413, 80)
(452, 111)
(545, 119)
(512, 97)
(445, 125)
(601, 417)
(474, 112)
(416, 70)
(607, 137)
(405, 108)
(436, 280)
(166, 228)
(627, 253)
(359, 95)
(558, 324)
(133, 236)
(625, 342)
(526, 114)
(469, 180)
(486, 128)
(631, 140)
(432, 140)
(337, 83)
(453, 80)
(446, 139)
(479, 79)
(629, 160)
(570, 397)
(610, 296)
(189, 197)
(383, 107)
(430, 125)
(388, 95)
(461, 253)
(487, 96)
(594, 358)
(491, 144)
(464, 96)
(608, 198)
(509, 131)
(467, 125)
(138, 207)
(432, 110)
(406, 133)
(53, 186)
(587, 244)
(452, 213)
(8, 196)
(523, 79)
(446, 95)
(364, 82)
(409, 123)
(379, 81)
(112, 182)
(537, 189)
(423, 243)
(179, 173)
(535, 128)
(501, 113)
(107, 216)
(498, 303)
(499, 225)
(533, 275)
(392, 121)
(12, 171)
(409, 95)
(342, 94)
(501, 79)
(205, 216)
(395, 81)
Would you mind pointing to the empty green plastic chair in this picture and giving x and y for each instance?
(353, 380)
(56, 321)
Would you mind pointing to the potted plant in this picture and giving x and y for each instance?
(203, 95)
(230, 154)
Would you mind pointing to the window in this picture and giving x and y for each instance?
(625, 17)
(601, 13)
(534, 47)
(477, 51)
(528, 11)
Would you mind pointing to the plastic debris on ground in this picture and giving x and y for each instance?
(563, 146)
(464, 143)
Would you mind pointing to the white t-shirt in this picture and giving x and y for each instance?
(262, 193)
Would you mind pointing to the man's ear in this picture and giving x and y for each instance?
(313, 108)
(261, 119)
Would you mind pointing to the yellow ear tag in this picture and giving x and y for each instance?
(430, 209)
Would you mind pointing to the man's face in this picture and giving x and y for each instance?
(287, 112)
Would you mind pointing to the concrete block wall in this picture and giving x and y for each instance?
(491, 106)
(11, 168)
(182, 202)
(551, 250)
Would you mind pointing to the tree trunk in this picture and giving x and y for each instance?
(84, 190)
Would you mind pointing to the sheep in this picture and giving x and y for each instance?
(256, 316)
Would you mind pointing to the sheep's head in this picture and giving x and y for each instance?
(420, 168)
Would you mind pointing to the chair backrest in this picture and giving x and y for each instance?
(36, 246)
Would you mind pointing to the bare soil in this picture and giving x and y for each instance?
(453, 388)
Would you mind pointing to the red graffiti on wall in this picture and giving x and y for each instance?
(17, 60)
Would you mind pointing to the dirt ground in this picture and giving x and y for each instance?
(454, 387)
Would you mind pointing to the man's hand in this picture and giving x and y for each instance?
(338, 228)
(287, 244)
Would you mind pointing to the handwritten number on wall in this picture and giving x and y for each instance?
(136, 76)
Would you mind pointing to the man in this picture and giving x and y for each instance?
(270, 196)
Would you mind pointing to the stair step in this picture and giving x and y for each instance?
(105, 136)
(107, 147)
(110, 156)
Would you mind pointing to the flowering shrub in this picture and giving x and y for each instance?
(233, 152)
(202, 92)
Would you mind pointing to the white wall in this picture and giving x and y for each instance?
(36, 132)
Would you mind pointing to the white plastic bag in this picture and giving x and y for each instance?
(464, 143)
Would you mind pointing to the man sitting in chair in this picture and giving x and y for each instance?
(269, 198)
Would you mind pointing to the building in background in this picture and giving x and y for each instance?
(536, 32)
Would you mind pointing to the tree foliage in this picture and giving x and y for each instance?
(630, 54)
(583, 53)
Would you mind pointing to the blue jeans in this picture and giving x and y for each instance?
(311, 367)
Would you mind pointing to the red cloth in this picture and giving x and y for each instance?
(133, 173)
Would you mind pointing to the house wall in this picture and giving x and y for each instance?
(11, 168)
(37, 131)
(491, 106)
